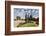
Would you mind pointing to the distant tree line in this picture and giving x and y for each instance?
(28, 19)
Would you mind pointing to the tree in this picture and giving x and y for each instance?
(37, 21)
(26, 18)
(18, 17)
(30, 18)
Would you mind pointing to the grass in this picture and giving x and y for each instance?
(27, 25)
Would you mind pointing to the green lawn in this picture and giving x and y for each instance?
(27, 25)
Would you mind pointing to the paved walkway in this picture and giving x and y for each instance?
(17, 22)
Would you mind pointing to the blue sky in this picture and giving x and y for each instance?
(22, 11)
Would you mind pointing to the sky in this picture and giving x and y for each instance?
(22, 11)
